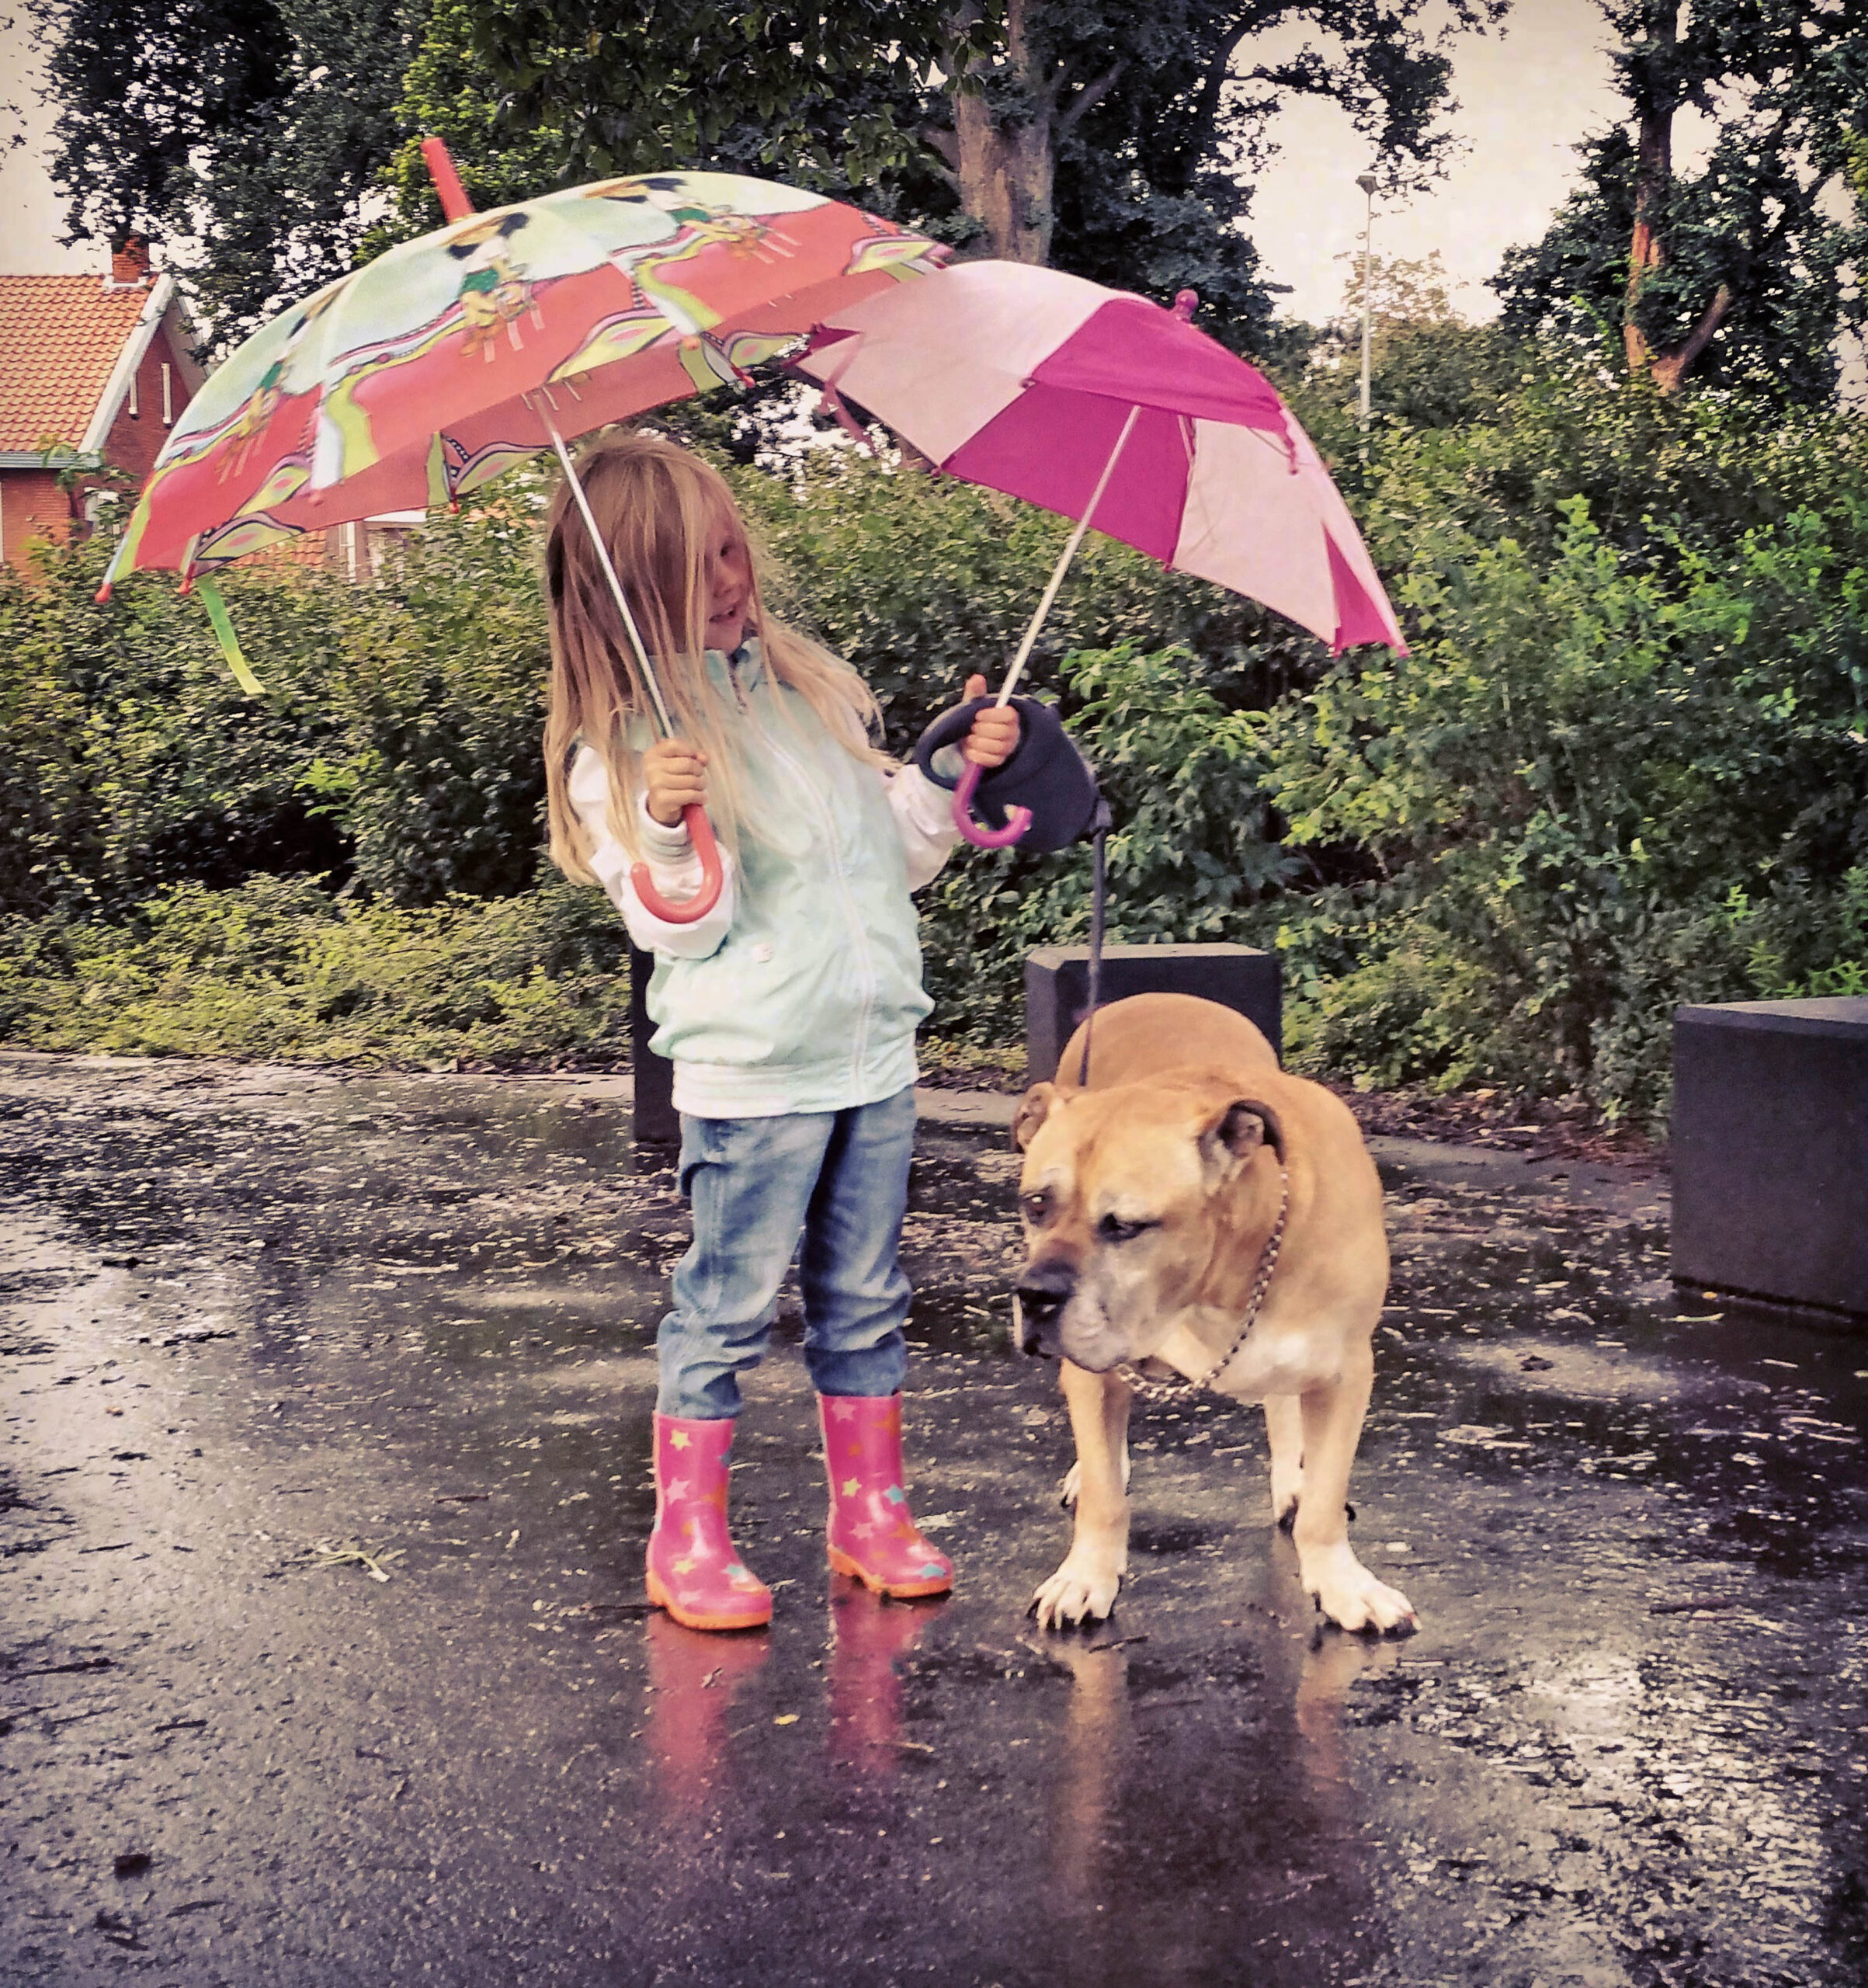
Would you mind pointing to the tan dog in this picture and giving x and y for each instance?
(1148, 1200)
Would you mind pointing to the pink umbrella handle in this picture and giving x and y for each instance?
(1017, 819)
(703, 900)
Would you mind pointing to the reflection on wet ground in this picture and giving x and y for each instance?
(249, 1313)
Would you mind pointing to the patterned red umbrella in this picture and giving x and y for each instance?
(420, 377)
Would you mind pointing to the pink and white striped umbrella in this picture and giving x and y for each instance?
(1053, 389)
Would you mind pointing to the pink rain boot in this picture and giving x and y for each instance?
(873, 1534)
(694, 1570)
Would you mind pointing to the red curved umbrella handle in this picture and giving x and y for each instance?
(703, 900)
(1017, 819)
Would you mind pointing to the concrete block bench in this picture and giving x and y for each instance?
(1770, 1151)
(1056, 989)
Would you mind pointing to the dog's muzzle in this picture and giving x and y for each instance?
(1044, 1291)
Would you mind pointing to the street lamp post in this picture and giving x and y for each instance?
(1366, 182)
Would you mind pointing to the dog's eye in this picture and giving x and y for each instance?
(1036, 1207)
(1112, 1228)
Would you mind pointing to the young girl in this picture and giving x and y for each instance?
(789, 1011)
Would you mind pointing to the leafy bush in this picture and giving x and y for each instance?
(1560, 792)
(134, 760)
(1627, 763)
(398, 739)
(279, 968)
(440, 695)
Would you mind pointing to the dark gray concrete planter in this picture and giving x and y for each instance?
(1056, 989)
(1770, 1151)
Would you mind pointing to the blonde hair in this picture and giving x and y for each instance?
(656, 504)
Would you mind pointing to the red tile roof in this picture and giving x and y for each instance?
(60, 336)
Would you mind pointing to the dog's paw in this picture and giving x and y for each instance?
(1076, 1593)
(1347, 1594)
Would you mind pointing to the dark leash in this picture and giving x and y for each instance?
(1099, 830)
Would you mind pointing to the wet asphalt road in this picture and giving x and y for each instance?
(248, 1314)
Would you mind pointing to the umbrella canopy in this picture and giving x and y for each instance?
(1083, 399)
(422, 375)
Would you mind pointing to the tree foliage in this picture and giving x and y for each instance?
(1119, 139)
(1116, 140)
(247, 138)
(1739, 272)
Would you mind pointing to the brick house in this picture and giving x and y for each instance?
(101, 365)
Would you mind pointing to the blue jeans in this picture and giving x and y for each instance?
(838, 1178)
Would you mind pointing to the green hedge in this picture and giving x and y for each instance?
(1626, 763)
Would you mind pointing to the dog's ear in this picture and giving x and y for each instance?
(1034, 1108)
(1235, 1134)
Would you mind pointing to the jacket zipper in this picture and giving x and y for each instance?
(858, 933)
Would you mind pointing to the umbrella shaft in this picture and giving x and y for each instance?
(609, 572)
(1063, 565)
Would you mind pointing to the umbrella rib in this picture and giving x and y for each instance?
(1063, 565)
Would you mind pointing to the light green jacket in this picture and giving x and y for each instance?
(801, 991)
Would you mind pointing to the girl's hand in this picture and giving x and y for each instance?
(995, 736)
(674, 778)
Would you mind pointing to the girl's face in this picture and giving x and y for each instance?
(728, 576)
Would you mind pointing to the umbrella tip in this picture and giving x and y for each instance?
(455, 205)
(102, 594)
(1186, 303)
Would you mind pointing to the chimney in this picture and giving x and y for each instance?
(129, 264)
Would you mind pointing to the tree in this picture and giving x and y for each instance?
(246, 136)
(1430, 367)
(1115, 138)
(1740, 272)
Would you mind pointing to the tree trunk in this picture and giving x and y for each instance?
(1007, 154)
(1657, 98)
(1653, 172)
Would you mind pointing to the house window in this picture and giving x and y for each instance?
(169, 396)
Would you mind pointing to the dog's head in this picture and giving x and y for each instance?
(1129, 1196)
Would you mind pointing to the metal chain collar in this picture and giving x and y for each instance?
(1175, 1385)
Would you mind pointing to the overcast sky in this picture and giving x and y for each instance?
(1527, 96)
